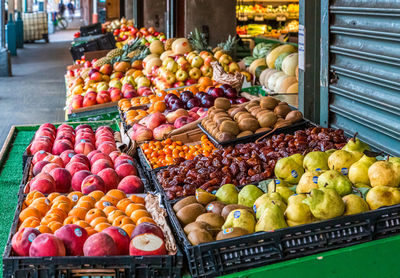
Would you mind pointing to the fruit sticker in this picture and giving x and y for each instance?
(227, 231)
(122, 232)
(107, 204)
(75, 197)
(236, 214)
(277, 181)
(255, 208)
(344, 171)
(315, 179)
(31, 237)
(294, 174)
(83, 141)
(47, 201)
(70, 155)
(41, 152)
(78, 232)
(318, 169)
(209, 207)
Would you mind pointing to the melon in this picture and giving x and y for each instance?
(285, 84)
(268, 75)
(148, 57)
(272, 80)
(274, 54)
(181, 46)
(297, 73)
(166, 54)
(256, 65)
(293, 89)
(289, 64)
(262, 76)
(151, 63)
(279, 60)
(156, 47)
(279, 82)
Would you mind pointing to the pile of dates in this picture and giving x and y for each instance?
(244, 163)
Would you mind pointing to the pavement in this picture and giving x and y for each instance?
(36, 92)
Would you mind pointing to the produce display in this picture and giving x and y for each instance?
(244, 163)
(227, 123)
(291, 10)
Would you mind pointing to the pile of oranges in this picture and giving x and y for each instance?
(94, 212)
(132, 116)
(168, 152)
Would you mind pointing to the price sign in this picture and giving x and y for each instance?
(258, 18)
(280, 18)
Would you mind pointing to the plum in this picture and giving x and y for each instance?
(186, 96)
(230, 93)
(207, 101)
(192, 103)
(217, 92)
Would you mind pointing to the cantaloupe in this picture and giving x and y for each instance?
(150, 56)
(293, 89)
(297, 73)
(156, 47)
(274, 54)
(262, 76)
(257, 64)
(285, 84)
(181, 46)
(279, 82)
(289, 64)
(268, 75)
(272, 80)
(166, 54)
(279, 60)
(151, 63)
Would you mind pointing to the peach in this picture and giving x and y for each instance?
(22, 240)
(99, 165)
(45, 132)
(38, 167)
(61, 145)
(104, 139)
(155, 120)
(81, 126)
(126, 169)
(99, 156)
(67, 155)
(81, 158)
(123, 156)
(113, 155)
(73, 237)
(103, 97)
(110, 178)
(40, 145)
(100, 244)
(77, 179)
(104, 128)
(66, 135)
(141, 135)
(92, 153)
(49, 167)
(62, 179)
(54, 159)
(120, 237)
(84, 137)
(116, 94)
(92, 183)
(65, 127)
(44, 186)
(172, 116)
(162, 130)
(131, 184)
(107, 147)
(47, 245)
(123, 160)
(84, 148)
(39, 156)
(76, 167)
(89, 100)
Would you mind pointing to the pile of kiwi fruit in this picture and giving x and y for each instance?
(225, 122)
(202, 217)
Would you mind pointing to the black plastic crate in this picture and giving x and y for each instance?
(92, 29)
(106, 42)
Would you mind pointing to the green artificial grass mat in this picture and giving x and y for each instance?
(10, 180)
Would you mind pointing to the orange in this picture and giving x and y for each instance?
(122, 220)
(44, 229)
(94, 213)
(66, 207)
(110, 199)
(90, 231)
(58, 211)
(82, 224)
(193, 89)
(84, 204)
(128, 228)
(137, 199)
(42, 204)
(51, 217)
(87, 198)
(97, 194)
(53, 195)
(132, 207)
(101, 226)
(29, 211)
(78, 212)
(32, 196)
(55, 225)
(70, 220)
(205, 81)
(74, 196)
(145, 219)
(109, 209)
(98, 220)
(30, 222)
(114, 214)
(63, 199)
(123, 204)
(117, 194)
(103, 204)
(139, 213)
(160, 106)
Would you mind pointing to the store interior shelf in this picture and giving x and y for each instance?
(267, 1)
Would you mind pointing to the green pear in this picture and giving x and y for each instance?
(329, 152)
(356, 145)
(298, 213)
(335, 180)
(271, 219)
(358, 172)
(248, 195)
(240, 218)
(308, 181)
(289, 170)
(341, 161)
(382, 196)
(316, 161)
(362, 185)
(325, 203)
(384, 173)
(265, 200)
(227, 194)
(280, 187)
(298, 158)
(354, 204)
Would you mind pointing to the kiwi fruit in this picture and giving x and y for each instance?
(234, 111)
(199, 236)
(294, 116)
(252, 103)
(213, 219)
(263, 129)
(189, 213)
(249, 124)
(282, 110)
(204, 197)
(215, 131)
(220, 115)
(225, 136)
(215, 207)
(227, 209)
(282, 123)
(222, 103)
(269, 102)
(243, 116)
(219, 120)
(254, 112)
(184, 202)
(197, 226)
(204, 121)
(244, 133)
(251, 109)
(238, 114)
(231, 232)
(229, 126)
(267, 119)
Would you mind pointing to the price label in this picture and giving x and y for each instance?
(280, 18)
(259, 18)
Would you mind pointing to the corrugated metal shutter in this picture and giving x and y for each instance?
(360, 70)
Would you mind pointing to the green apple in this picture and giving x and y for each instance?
(197, 62)
(181, 75)
(195, 73)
